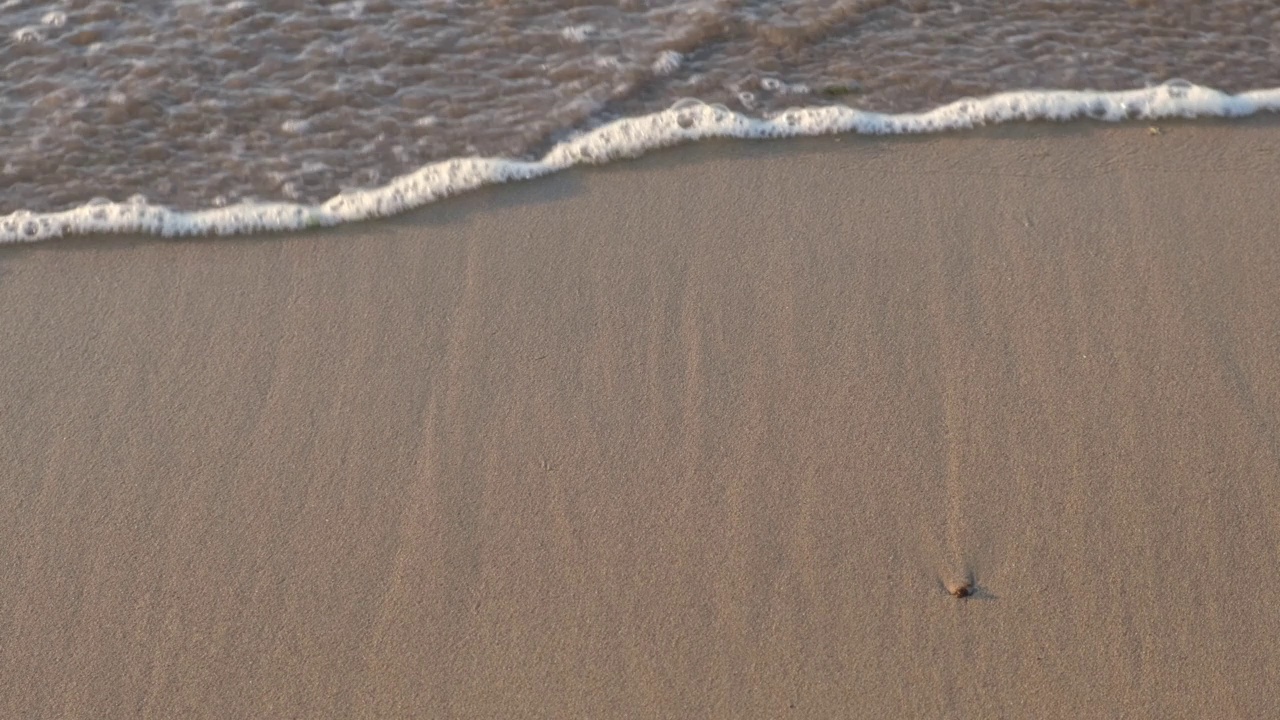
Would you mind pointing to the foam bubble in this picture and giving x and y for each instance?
(685, 121)
(778, 87)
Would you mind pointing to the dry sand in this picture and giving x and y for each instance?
(701, 435)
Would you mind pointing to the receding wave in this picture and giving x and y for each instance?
(683, 122)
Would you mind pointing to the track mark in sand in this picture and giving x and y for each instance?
(425, 505)
(954, 306)
(955, 442)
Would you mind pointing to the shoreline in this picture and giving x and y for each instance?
(632, 137)
(706, 433)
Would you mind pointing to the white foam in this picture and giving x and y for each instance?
(774, 85)
(351, 10)
(577, 33)
(668, 62)
(30, 34)
(685, 121)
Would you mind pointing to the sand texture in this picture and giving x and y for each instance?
(705, 434)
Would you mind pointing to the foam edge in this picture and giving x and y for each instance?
(686, 121)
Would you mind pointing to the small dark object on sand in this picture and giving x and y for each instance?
(961, 589)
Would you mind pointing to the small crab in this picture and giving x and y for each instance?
(962, 587)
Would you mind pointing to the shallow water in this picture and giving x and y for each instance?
(195, 104)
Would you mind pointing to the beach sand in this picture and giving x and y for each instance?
(705, 434)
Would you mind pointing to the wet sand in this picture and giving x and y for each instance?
(707, 434)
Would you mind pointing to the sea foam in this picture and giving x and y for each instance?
(685, 121)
